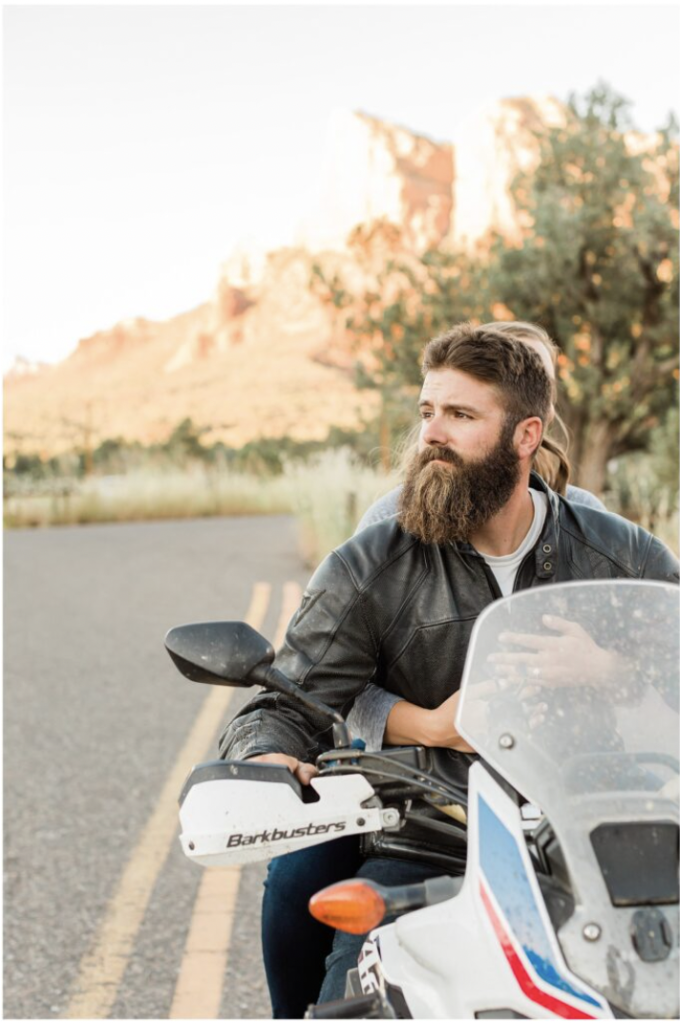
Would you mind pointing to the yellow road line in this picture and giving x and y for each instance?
(102, 968)
(201, 977)
(292, 595)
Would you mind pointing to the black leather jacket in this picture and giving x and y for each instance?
(388, 609)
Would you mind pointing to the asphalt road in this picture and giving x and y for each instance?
(95, 715)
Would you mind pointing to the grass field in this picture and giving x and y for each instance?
(328, 494)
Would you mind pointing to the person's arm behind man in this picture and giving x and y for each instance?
(331, 650)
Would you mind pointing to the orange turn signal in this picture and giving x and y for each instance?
(353, 907)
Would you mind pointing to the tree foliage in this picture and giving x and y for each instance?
(597, 267)
(405, 301)
(595, 264)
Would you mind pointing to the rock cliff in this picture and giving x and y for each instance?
(377, 171)
(491, 146)
(264, 355)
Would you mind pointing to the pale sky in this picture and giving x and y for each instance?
(141, 144)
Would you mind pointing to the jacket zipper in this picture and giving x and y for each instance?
(490, 578)
(518, 574)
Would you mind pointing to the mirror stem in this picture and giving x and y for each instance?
(276, 680)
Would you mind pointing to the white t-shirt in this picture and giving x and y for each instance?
(504, 567)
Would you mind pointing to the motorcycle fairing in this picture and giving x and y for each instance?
(432, 953)
(604, 753)
(515, 906)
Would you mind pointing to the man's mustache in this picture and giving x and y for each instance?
(433, 453)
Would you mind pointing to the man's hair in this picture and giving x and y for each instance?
(495, 357)
(551, 461)
(525, 331)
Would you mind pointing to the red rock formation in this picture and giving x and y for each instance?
(374, 171)
(266, 356)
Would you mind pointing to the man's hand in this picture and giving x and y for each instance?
(300, 769)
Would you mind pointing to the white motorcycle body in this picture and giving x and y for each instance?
(493, 946)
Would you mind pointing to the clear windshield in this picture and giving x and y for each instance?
(573, 688)
(571, 692)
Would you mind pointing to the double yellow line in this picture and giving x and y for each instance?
(199, 988)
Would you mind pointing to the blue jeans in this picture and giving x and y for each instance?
(346, 948)
(294, 944)
(305, 961)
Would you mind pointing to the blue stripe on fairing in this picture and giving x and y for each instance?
(505, 872)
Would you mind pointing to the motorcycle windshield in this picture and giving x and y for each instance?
(570, 691)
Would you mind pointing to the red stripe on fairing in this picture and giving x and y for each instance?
(523, 978)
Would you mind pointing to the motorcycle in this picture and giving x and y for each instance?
(568, 907)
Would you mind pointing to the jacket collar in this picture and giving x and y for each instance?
(545, 552)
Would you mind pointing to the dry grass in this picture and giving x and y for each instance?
(328, 495)
(331, 493)
(159, 495)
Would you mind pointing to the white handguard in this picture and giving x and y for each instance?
(236, 812)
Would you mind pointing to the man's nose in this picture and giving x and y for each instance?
(433, 432)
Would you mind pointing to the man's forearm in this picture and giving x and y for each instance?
(409, 724)
(269, 724)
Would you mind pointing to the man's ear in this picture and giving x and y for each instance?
(528, 434)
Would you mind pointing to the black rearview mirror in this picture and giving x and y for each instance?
(218, 652)
(234, 654)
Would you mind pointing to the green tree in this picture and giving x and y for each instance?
(597, 267)
(185, 442)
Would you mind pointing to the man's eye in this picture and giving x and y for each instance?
(461, 415)
(425, 414)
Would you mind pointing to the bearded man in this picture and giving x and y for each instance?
(396, 604)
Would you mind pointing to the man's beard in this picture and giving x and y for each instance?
(449, 503)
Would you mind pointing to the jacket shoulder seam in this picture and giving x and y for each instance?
(378, 571)
(347, 611)
(588, 542)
